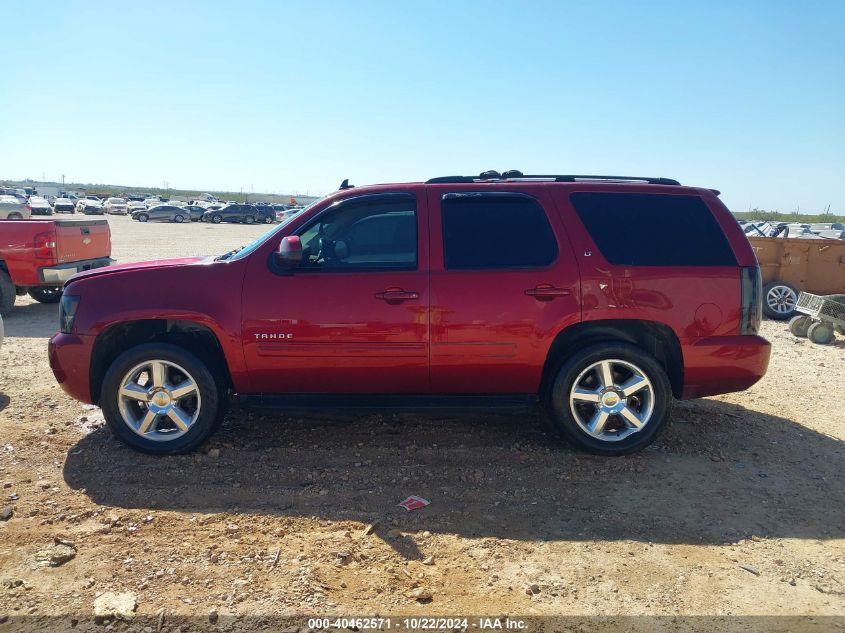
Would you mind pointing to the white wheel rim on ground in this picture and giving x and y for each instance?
(781, 299)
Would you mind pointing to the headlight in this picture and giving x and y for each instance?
(67, 312)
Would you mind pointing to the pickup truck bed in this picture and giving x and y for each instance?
(38, 256)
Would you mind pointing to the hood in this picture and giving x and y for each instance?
(123, 268)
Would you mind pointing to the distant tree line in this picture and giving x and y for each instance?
(761, 215)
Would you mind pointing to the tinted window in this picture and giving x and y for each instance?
(375, 234)
(653, 229)
(495, 231)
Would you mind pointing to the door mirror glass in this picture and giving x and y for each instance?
(290, 252)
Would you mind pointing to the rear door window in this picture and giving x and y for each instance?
(653, 229)
(495, 230)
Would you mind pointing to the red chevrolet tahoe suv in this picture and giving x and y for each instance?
(597, 298)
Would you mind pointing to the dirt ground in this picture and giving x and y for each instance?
(739, 510)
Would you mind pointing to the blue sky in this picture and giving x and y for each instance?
(747, 97)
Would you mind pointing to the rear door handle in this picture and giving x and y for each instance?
(547, 293)
(397, 296)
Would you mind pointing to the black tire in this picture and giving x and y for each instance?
(7, 293)
(15, 216)
(249, 219)
(216, 218)
(46, 294)
(560, 417)
(143, 217)
(211, 396)
(179, 219)
(268, 219)
(821, 333)
(799, 325)
(779, 300)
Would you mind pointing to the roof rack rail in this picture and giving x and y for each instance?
(513, 174)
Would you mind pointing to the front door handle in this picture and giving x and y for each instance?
(546, 292)
(397, 295)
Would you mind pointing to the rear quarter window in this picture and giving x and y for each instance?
(653, 229)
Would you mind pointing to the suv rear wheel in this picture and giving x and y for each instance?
(610, 399)
(159, 398)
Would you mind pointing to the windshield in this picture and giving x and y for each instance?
(243, 251)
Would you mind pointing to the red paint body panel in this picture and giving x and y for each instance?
(722, 364)
(345, 340)
(465, 332)
(70, 359)
(25, 262)
(488, 336)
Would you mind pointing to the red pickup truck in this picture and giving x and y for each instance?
(38, 256)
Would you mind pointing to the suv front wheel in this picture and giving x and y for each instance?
(159, 398)
(610, 399)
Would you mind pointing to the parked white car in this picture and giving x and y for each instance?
(11, 208)
(135, 205)
(64, 205)
(39, 206)
(151, 202)
(115, 206)
(89, 206)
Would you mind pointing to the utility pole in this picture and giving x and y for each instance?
(63, 181)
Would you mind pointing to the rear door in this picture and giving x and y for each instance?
(80, 240)
(503, 283)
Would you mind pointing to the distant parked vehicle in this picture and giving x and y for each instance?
(833, 234)
(244, 213)
(196, 212)
(64, 205)
(11, 208)
(115, 206)
(818, 227)
(151, 202)
(162, 213)
(135, 205)
(90, 206)
(39, 206)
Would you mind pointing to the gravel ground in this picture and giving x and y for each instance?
(739, 510)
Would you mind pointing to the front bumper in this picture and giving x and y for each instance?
(70, 360)
(723, 364)
(57, 275)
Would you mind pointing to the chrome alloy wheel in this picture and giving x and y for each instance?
(781, 299)
(612, 399)
(159, 400)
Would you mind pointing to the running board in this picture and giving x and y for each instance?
(394, 403)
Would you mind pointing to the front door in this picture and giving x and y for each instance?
(353, 318)
(504, 282)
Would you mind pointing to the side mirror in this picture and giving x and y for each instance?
(290, 252)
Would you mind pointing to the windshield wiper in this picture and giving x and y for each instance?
(229, 254)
